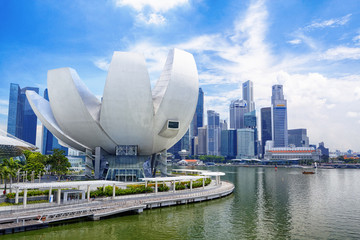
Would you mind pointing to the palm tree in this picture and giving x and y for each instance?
(11, 167)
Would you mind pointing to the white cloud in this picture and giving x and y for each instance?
(295, 41)
(102, 64)
(156, 5)
(153, 18)
(334, 22)
(342, 52)
(356, 39)
(352, 114)
(4, 107)
(235, 55)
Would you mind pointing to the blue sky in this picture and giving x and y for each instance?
(311, 47)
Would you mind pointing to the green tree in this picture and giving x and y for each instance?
(10, 168)
(35, 162)
(59, 164)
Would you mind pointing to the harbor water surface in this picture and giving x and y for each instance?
(266, 204)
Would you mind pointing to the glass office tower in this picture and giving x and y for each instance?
(237, 110)
(50, 142)
(279, 117)
(266, 132)
(248, 95)
(213, 133)
(22, 120)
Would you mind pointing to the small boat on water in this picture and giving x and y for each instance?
(306, 172)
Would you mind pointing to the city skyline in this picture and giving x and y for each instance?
(312, 49)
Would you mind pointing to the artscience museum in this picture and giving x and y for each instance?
(125, 135)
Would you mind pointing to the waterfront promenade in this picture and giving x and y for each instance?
(17, 219)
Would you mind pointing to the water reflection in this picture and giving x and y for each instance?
(266, 204)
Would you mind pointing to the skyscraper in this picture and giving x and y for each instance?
(266, 132)
(198, 120)
(49, 142)
(237, 110)
(183, 143)
(248, 95)
(22, 120)
(279, 117)
(228, 143)
(245, 143)
(298, 137)
(202, 140)
(213, 133)
(250, 122)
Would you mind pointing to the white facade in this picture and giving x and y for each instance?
(292, 153)
(245, 143)
(130, 113)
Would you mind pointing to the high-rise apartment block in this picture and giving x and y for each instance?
(213, 133)
(22, 121)
(279, 117)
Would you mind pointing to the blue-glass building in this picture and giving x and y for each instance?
(213, 133)
(250, 122)
(183, 143)
(228, 143)
(49, 141)
(22, 120)
(248, 95)
(279, 117)
(266, 132)
(237, 110)
(198, 120)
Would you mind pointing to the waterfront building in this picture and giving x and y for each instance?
(22, 120)
(324, 151)
(229, 143)
(202, 140)
(213, 133)
(237, 110)
(250, 121)
(245, 143)
(266, 125)
(49, 142)
(194, 146)
(198, 119)
(128, 132)
(279, 117)
(248, 95)
(292, 153)
(298, 137)
(13, 147)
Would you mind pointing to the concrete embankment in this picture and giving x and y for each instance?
(19, 220)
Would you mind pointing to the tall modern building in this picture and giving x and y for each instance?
(245, 143)
(237, 110)
(202, 141)
(228, 143)
(248, 95)
(279, 117)
(49, 142)
(198, 120)
(182, 144)
(22, 120)
(223, 125)
(251, 122)
(213, 133)
(266, 132)
(298, 137)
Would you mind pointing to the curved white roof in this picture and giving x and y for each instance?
(130, 113)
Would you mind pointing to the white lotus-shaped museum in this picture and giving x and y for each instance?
(130, 112)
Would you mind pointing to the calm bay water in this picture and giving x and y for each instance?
(266, 204)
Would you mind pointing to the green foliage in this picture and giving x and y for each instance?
(59, 164)
(30, 193)
(131, 189)
(212, 158)
(163, 188)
